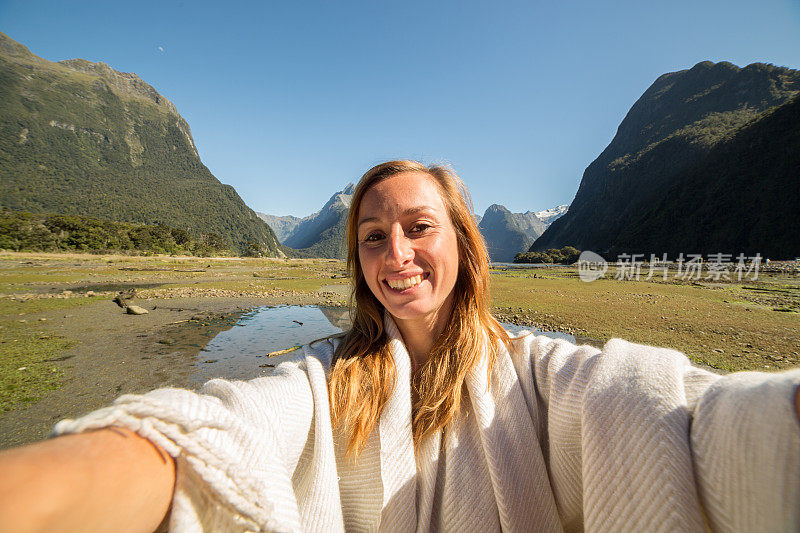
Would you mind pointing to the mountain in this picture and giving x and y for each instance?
(81, 138)
(549, 215)
(323, 233)
(281, 225)
(669, 143)
(506, 233)
(744, 197)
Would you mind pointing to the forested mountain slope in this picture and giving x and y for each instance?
(669, 142)
(82, 138)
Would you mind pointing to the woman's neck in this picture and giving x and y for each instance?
(420, 334)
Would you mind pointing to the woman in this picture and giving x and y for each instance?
(427, 416)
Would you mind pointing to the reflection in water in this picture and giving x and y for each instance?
(240, 352)
(337, 316)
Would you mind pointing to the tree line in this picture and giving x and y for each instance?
(33, 232)
(562, 256)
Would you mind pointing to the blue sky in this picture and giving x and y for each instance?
(288, 100)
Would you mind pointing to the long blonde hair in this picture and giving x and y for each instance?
(363, 373)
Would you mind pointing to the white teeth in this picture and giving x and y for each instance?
(405, 283)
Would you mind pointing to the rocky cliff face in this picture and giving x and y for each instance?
(506, 233)
(669, 132)
(82, 138)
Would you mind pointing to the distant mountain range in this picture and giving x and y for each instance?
(82, 138)
(706, 161)
(322, 234)
(281, 225)
(506, 233)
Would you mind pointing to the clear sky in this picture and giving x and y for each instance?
(288, 101)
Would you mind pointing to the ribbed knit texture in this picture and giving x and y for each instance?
(558, 438)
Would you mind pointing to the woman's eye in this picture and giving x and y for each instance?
(419, 228)
(373, 237)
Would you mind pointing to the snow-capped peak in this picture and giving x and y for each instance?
(549, 215)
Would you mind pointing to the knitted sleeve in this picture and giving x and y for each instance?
(746, 445)
(638, 439)
(236, 446)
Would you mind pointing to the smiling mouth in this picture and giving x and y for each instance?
(406, 283)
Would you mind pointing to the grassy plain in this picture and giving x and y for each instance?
(730, 326)
(748, 325)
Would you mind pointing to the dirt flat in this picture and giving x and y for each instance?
(117, 353)
(114, 353)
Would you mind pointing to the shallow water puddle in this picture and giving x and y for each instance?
(241, 351)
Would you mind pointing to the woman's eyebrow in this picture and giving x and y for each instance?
(367, 219)
(410, 211)
(419, 209)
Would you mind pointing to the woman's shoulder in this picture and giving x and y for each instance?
(556, 364)
(534, 349)
(615, 352)
(323, 350)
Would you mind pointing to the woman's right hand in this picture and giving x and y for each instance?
(105, 480)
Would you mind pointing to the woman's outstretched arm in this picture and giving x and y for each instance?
(105, 480)
(797, 402)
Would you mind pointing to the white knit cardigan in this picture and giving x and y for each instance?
(560, 438)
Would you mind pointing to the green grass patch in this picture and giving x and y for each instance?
(40, 277)
(711, 325)
(310, 284)
(28, 351)
(26, 364)
(730, 326)
(11, 309)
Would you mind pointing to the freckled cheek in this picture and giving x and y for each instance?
(442, 255)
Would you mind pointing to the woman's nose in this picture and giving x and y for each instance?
(400, 251)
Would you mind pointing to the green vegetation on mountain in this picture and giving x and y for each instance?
(28, 232)
(665, 159)
(80, 138)
(331, 242)
(744, 197)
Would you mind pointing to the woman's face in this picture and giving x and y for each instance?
(407, 247)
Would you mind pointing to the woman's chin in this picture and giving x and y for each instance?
(422, 310)
(409, 311)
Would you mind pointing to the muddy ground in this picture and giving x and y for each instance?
(117, 353)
